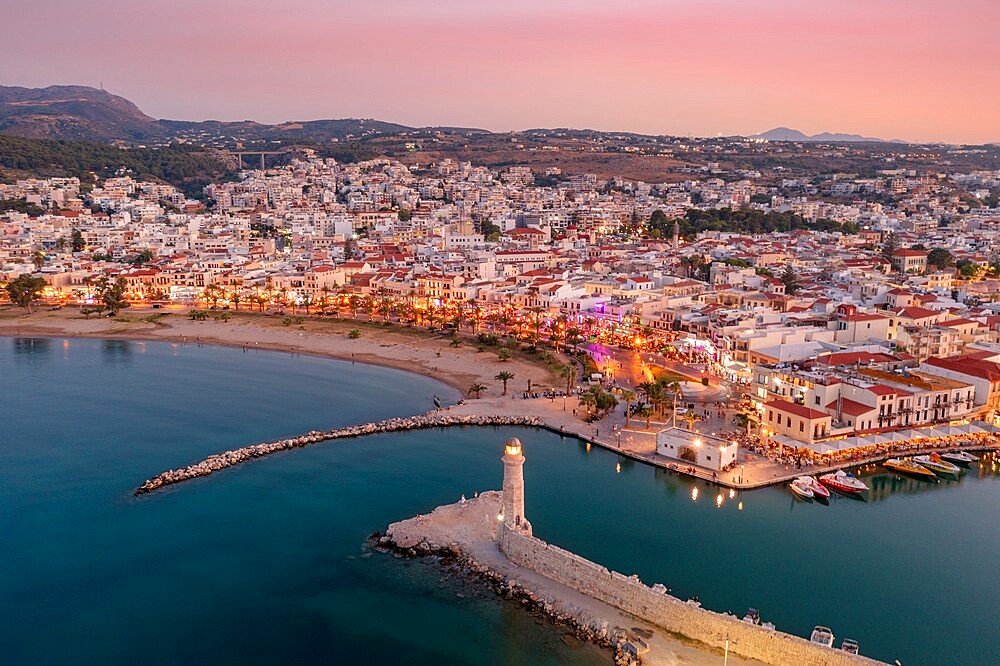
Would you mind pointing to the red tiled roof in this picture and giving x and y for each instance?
(795, 408)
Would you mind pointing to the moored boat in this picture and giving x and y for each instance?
(801, 489)
(850, 646)
(908, 466)
(934, 463)
(959, 457)
(822, 635)
(819, 490)
(752, 616)
(844, 482)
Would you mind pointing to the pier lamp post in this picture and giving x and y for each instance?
(725, 660)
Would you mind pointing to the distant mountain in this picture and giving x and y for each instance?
(83, 113)
(788, 134)
(73, 112)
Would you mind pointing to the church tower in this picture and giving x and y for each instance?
(677, 234)
(513, 487)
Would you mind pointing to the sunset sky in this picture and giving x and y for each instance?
(910, 69)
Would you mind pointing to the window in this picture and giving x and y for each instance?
(817, 400)
(802, 426)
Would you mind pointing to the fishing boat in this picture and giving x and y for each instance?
(844, 482)
(908, 466)
(819, 490)
(935, 463)
(850, 646)
(801, 490)
(959, 457)
(752, 616)
(822, 635)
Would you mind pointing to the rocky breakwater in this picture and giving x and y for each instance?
(220, 461)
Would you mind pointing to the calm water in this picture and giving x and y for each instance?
(265, 563)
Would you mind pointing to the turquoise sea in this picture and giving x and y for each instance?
(266, 562)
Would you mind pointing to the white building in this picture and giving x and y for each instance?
(696, 448)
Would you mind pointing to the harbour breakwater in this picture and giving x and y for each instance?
(221, 461)
(656, 606)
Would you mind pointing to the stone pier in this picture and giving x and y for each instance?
(605, 601)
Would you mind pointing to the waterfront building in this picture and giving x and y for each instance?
(710, 452)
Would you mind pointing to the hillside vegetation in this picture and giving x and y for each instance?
(186, 167)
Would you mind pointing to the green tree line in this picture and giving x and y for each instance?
(189, 168)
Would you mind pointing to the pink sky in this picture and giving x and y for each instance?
(915, 70)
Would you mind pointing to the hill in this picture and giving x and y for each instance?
(73, 112)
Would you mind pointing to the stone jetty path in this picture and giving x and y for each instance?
(221, 461)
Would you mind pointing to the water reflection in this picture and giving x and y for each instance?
(117, 350)
(28, 346)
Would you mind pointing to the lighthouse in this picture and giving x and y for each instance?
(512, 513)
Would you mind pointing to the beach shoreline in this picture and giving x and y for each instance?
(409, 350)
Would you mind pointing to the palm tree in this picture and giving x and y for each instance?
(691, 417)
(504, 376)
(38, 259)
(646, 412)
(236, 297)
(476, 389)
(628, 397)
(653, 393)
(747, 420)
(568, 372)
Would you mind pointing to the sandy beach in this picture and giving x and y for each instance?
(411, 349)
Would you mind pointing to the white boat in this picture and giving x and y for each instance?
(822, 636)
(752, 616)
(819, 490)
(935, 463)
(844, 482)
(960, 457)
(801, 489)
(850, 646)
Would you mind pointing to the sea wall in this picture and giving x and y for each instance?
(220, 461)
(629, 594)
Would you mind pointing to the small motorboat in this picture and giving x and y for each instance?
(694, 601)
(801, 490)
(769, 626)
(935, 463)
(959, 457)
(822, 636)
(844, 482)
(850, 646)
(752, 616)
(907, 466)
(819, 490)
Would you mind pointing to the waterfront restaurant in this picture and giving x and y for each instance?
(696, 448)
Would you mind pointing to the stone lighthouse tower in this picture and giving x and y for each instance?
(513, 487)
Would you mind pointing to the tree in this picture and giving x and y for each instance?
(628, 397)
(568, 372)
(38, 259)
(646, 412)
(404, 214)
(940, 258)
(25, 290)
(476, 389)
(76, 238)
(790, 279)
(112, 294)
(967, 270)
(691, 417)
(214, 293)
(503, 354)
(235, 297)
(890, 245)
(504, 377)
